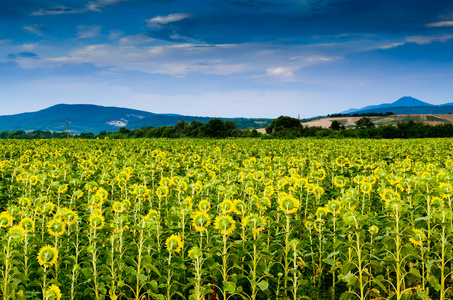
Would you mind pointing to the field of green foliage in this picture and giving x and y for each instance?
(226, 219)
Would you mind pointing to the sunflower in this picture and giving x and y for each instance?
(225, 224)
(5, 219)
(162, 191)
(96, 200)
(16, 233)
(53, 292)
(258, 176)
(340, 181)
(373, 230)
(102, 193)
(27, 224)
(334, 206)
(254, 222)
(24, 201)
(418, 237)
(56, 227)
(268, 190)
(173, 243)
(263, 203)
(70, 217)
(195, 253)
(45, 209)
(201, 220)
(250, 190)
(47, 256)
(318, 191)
(226, 206)
(117, 206)
(204, 205)
(309, 224)
(288, 204)
(239, 207)
(321, 212)
(97, 221)
(366, 188)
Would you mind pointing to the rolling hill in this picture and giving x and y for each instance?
(404, 106)
(96, 118)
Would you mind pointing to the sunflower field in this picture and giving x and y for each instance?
(226, 219)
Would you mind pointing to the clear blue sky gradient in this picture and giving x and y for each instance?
(224, 58)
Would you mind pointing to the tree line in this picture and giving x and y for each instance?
(283, 127)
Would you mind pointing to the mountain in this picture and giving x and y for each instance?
(404, 102)
(96, 118)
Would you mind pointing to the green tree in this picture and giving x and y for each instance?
(285, 126)
(364, 123)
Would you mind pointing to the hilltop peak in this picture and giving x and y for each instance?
(409, 101)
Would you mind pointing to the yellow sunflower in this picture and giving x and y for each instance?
(47, 256)
(56, 227)
(16, 233)
(53, 292)
(225, 224)
(97, 221)
(173, 243)
(288, 204)
(226, 206)
(201, 220)
(5, 219)
(255, 223)
(27, 224)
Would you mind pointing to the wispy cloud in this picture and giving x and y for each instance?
(98, 5)
(35, 29)
(4, 42)
(88, 31)
(160, 20)
(440, 24)
(56, 11)
(424, 40)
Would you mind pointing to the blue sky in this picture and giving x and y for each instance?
(224, 58)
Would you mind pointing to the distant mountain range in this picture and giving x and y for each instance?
(95, 118)
(404, 105)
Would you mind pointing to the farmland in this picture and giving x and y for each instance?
(226, 219)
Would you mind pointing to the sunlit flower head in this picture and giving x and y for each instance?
(27, 224)
(56, 227)
(47, 256)
(97, 221)
(5, 219)
(16, 233)
(255, 223)
(373, 229)
(204, 205)
(239, 207)
(225, 224)
(200, 221)
(52, 292)
(226, 206)
(417, 237)
(173, 243)
(288, 204)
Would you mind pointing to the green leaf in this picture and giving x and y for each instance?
(263, 285)
(422, 294)
(229, 287)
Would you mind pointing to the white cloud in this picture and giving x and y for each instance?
(424, 40)
(440, 24)
(97, 5)
(34, 29)
(60, 10)
(137, 39)
(4, 42)
(88, 31)
(160, 20)
(29, 47)
(285, 72)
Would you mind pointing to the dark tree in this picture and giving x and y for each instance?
(364, 123)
